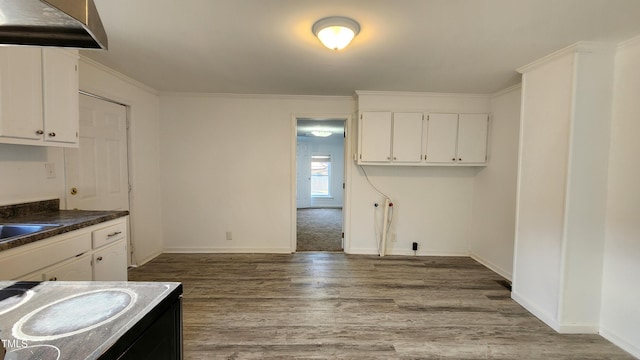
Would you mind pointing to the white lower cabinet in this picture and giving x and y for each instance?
(97, 252)
(110, 262)
(76, 269)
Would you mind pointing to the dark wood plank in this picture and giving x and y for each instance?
(332, 305)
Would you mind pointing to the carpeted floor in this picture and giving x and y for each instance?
(319, 230)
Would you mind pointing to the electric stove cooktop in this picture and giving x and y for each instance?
(72, 320)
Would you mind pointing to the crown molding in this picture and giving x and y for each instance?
(418, 94)
(579, 47)
(257, 96)
(118, 75)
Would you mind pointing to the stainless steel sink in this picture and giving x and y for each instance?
(8, 231)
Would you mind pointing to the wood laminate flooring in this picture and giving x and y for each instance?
(337, 306)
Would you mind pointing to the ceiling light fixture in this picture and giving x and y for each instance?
(321, 133)
(336, 32)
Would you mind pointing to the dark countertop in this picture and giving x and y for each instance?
(76, 319)
(47, 212)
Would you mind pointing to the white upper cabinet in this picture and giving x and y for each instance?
(442, 131)
(407, 137)
(375, 137)
(472, 138)
(440, 139)
(387, 137)
(61, 109)
(457, 139)
(20, 94)
(38, 96)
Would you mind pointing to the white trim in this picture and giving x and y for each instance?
(256, 96)
(216, 250)
(620, 341)
(119, 75)
(537, 312)
(629, 42)
(582, 46)
(149, 258)
(491, 266)
(504, 91)
(404, 252)
(420, 94)
(578, 329)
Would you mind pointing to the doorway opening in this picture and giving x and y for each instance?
(320, 179)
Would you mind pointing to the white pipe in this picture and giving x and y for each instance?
(385, 226)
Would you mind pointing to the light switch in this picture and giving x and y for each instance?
(50, 169)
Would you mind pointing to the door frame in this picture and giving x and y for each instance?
(131, 259)
(348, 151)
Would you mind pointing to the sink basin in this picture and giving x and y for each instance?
(13, 230)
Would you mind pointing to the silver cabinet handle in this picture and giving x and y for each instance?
(99, 258)
(52, 134)
(114, 233)
(39, 132)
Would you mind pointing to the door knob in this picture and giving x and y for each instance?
(74, 191)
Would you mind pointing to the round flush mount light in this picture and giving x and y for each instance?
(336, 32)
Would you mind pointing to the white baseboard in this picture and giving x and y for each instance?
(204, 250)
(579, 328)
(148, 258)
(537, 312)
(621, 342)
(402, 252)
(493, 267)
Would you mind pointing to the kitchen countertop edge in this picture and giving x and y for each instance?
(66, 221)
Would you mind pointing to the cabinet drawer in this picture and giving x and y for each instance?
(109, 234)
(41, 255)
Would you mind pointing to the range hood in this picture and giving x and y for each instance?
(59, 23)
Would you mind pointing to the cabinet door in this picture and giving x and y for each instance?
(78, 269)
(442, 132)
(407, 137)
(110, 262)
(61, 108)
(375, 137)
(20, 93)
(472, 138)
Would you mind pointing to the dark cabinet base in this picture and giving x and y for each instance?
(157, 336)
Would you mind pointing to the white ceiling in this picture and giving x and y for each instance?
(266, 46)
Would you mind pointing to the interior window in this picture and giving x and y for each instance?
(321, 175)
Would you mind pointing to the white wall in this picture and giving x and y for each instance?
(494, 193)
(432, 205)
(334, 146)
(23, 177)
(213, 148)
(144, 151)
(620, 315)
(562, 186)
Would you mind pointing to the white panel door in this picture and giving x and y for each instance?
(375, 136)
(21, 92)
(97, 172)
(60, 81)
(442, 132)
(407, 137)
(472, 138)
(303, 181)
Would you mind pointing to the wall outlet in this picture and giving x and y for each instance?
(229, 235)
(50, 170)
